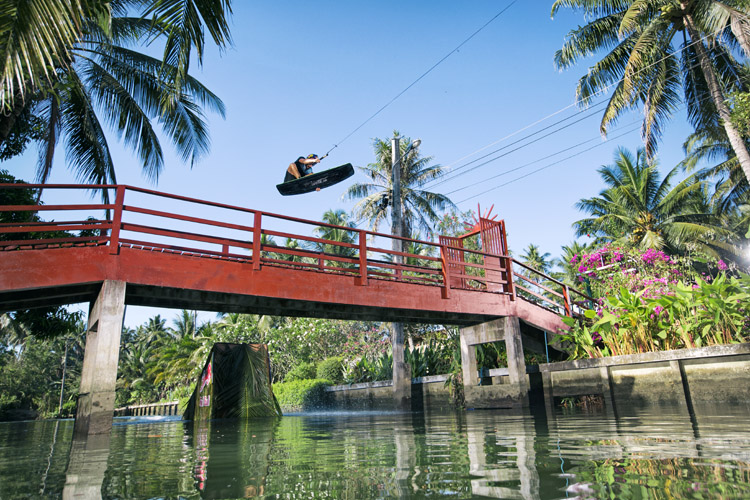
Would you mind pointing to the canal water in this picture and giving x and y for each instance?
(659, 453)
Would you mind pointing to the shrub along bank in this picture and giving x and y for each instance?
(650, 301)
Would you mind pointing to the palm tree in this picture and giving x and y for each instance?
(540, 262)
(418, 206)
(418, 249)
(533, 257)
(641, 37)
(569, 269)
(184, 324)
(338, 234)
(637, 209)
(96, 75)
(731, 196)
(185, 22)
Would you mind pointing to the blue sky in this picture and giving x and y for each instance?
(301, 76)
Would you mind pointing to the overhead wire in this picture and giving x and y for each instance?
(422, 76)
(518, 168)
(605, 141)
(450, 177)
(548, 165)
(577, 102)
(442, 180)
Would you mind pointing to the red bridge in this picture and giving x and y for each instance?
(165, 250)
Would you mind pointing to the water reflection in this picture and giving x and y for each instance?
(656, 453)
(86, 467)
(232, 457)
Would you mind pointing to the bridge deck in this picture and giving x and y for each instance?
(171, 258)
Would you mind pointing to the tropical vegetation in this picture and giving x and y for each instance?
(69, 68)
(649, 301)
(652, 50)
(420, 208)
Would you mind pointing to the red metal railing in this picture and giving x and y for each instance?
(247, 235)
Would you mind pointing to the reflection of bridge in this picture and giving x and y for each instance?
(156, 251)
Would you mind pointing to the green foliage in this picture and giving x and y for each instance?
(26, 128)
(636, 61)
(16, 196)
(739, 103)
(301, 395)
(48, 322)
(687, 315)
(331, 369)
(638, 209)
(46, 97)
(32, 373)
(366, 370)
(302, 339)
(420, 207)
(302, 371)
(432, 358)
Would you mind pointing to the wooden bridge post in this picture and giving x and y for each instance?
(96, 400)
(362, 258)
(256, 241)
(566, 299)
(444, 262)
(114, 237)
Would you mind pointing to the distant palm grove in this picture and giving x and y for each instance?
(663, 251)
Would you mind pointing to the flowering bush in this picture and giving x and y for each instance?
(649, 301)
(608, 269)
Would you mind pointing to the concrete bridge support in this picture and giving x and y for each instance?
(511, 395)
(96, 401)
(401, 369)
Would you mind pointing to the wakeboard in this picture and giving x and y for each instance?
(318, 180)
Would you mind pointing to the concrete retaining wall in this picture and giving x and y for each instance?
(717, 374)
(428, 393)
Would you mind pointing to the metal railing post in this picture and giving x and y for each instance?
(114, 237)
(256, 240)
(362, 258)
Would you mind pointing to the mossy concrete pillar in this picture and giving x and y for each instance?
(401, 369)
(96, 400)
(513, 394)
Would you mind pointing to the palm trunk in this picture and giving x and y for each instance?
(737, 23)
(8, 120)
(735, 139)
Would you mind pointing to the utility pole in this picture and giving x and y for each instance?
(62, 383)
(401, 371)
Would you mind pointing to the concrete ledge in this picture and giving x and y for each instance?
(649, 357)
(430, 379)
(363, 385)
(503, 372)
(715, 374)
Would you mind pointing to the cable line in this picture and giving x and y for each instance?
(422, 76)
(549, 165)
(521, 167)
(577, 102)
(437, 182)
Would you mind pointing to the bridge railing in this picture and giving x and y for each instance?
(161, 222)
(168, 408)
(549, 292)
